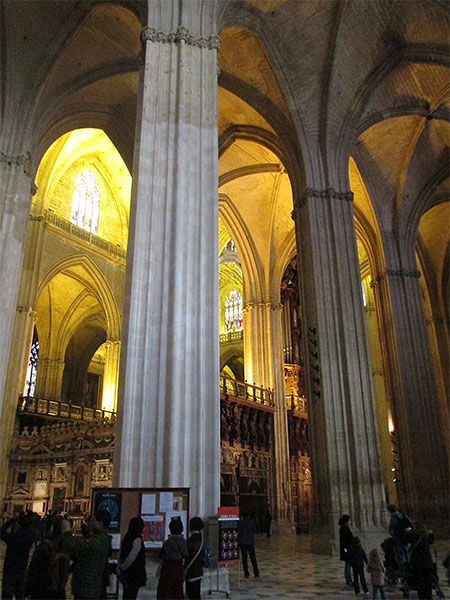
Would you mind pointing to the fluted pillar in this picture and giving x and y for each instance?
(417, 417)
(383, 410)
(346, 469)
(15, 381)
(15, 185)
(281, 434)
(438, 333)
(257, 353)
(168, 432)
(264, 366)
(111, 375)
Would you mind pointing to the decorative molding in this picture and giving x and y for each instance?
(401, 273)
(272, 306)
(21, 160)
(328, 194)
(149, 34)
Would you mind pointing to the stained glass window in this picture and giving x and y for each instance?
(30, 382)
(86, 201)
(233, 311)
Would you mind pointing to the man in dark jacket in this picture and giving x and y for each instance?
(19, 537)
(247, 530)
(90, 556)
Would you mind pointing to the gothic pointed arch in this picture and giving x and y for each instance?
(97, 284)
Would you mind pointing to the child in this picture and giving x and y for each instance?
(357, 558)
(377, 571)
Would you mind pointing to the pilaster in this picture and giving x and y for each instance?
(346, 469)
(264, 366)
(49, 377)
(111, 375)
(168, 431)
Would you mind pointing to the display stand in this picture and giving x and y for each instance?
(228, 543)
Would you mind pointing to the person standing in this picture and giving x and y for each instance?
(132, 560)
(19, 536)
(377, 571)
(357, 559)
(90, 556)
(421, 562)
(194, 562)
(173, 553)
(345, 541)
(247, 530)
(48, 570)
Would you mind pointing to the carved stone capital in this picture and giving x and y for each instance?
(22, 161)
(328, 194)
(149, 34)
(397, 273)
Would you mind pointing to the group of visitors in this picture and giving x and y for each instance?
(56, 552)
(407, 557)
(182, 560)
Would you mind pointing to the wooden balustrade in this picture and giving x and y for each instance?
(245, 391)
(62, 410)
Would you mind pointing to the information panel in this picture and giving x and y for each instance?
(228, 551)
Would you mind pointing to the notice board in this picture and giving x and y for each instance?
(157, 507)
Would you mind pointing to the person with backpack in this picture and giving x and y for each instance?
(48, 570)
(132, 560)
(401, 530)
(194, 561)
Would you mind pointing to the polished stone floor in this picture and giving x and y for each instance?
(288, 570)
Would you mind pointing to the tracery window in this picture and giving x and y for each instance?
(30, 382)
(86, 201)
(233, 311)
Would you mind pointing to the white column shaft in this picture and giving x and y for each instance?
(169, 412)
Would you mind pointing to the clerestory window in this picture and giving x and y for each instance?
(86, 201)
(233, 311)
(30, 383)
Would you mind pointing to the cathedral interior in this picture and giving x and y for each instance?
(224, 232)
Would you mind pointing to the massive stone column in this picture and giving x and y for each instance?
(420, 438)
(168, 432)
(345, 456)
(15, 185)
